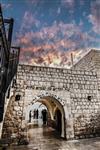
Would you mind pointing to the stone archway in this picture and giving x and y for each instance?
(51, 103)
(52, 99)
(54, 102)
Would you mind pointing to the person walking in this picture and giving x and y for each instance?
(30, 115)
(37, 113)
(44, 116)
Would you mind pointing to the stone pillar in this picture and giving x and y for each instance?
(69, 122)
(13, 118)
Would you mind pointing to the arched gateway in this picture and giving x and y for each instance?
(56, 110)
(71, 96)
(59, 111)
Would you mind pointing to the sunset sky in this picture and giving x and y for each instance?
(48, 31)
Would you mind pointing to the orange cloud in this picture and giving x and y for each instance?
(46, 47)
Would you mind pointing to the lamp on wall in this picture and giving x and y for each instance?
(17, 97)
(89, 98)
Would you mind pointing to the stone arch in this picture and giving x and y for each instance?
(62, 100)
(47, 94)
(60, 104)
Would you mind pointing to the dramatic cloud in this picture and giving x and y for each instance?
(94, 17)
(50, 32)
(29, 21)
(53, 33)
(54, 44)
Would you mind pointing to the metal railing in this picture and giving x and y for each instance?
(9, 58)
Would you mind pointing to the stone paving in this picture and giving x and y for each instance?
(45, 139)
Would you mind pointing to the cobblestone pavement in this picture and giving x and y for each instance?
(44, 139)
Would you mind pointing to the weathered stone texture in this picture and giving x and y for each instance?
(80, 84)
(83, 99)
(13, 118)
(90, 62)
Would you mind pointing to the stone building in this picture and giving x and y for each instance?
(72, 97)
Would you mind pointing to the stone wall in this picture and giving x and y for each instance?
(77, 90)
(90, 62)
(87, 62)
(13, 118)
(80, 84)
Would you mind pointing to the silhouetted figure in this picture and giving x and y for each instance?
(30, 115)
(34, 116)
(44, 116)
(37, 113)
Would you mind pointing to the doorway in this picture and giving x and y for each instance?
(58, 120)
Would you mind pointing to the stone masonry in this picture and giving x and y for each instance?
(90, 62)
(77, 90)
(13, 118)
